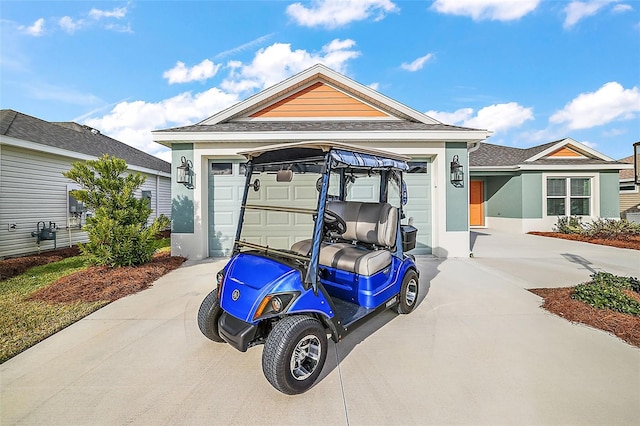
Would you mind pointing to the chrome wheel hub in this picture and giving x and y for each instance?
(305, 357)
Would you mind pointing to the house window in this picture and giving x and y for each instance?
(221, 169)
(628, 188)
(418, 167)
(568, 196)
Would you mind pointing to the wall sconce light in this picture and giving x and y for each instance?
(457, 174)
(185, 173)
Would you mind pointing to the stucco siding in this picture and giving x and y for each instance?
(457, 198)
(182, 198)
(610, 194)
(532, 195)
(504, 195)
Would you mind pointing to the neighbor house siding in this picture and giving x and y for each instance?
(610, 194)
(32, 189)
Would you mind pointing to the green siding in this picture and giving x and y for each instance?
(504, 195)
(457, 198)
(182, 211)
(609, 194)
(532, 195)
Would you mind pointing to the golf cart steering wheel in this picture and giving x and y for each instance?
(333, 222)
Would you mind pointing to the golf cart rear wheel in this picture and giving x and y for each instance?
(208, 316)
(408, 293)
(294, 354)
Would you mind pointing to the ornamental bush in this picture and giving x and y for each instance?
(118, 230)
(569, 225)
(612, 228)
(606, 291)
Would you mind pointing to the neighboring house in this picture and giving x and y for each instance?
(629, 193)
(522, 190)
(33, 155)
(317, 104)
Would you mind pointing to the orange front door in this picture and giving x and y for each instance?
(476, 203)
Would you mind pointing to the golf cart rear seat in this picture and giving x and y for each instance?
(371, 232)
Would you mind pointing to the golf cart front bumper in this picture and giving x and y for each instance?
(237, 333)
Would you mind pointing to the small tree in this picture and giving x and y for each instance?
(118, 230)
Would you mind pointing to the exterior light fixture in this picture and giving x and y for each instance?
(457, 174)
(185, 173)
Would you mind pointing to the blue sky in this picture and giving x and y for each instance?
(533, 71)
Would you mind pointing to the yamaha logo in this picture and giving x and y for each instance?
(235, 295)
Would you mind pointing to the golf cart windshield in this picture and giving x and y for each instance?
(288, 185)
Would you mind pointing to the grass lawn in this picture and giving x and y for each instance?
(23, 322)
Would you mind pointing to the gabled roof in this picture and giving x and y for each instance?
(76, 138)
(318, 103)
(309, 77)
(563, 153)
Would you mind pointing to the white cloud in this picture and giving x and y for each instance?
(336, 13)
(69, 25)
(591, 145)
(245, 46)
(417, 64)
(117, 13)
(498, 117)
(200, 72)
(375, 85)
(456, 117)
(132, 122)
(277, 62)
(621, 8)
(36, 29)
(608, 103)
(494, 10)
(578, 10)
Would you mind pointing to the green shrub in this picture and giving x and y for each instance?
(118, 231)
(569, 225)
(612, 229)
(605, 291)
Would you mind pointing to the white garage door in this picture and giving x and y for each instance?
(226, 182)
(419, 204)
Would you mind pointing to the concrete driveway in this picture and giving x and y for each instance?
(477, 350)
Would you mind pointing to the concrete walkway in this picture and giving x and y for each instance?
(477, 350)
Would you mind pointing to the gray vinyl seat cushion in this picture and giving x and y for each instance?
(374, 224)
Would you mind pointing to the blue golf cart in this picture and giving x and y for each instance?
(319, 250)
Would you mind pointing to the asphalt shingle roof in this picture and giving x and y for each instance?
(74, 137)
(490, 155)
(313, 126)
(627, 174)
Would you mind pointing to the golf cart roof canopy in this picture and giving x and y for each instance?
(342, 154)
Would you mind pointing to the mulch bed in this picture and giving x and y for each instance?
(630, 243)
(102, 283)
(558, 301)
(15, 266)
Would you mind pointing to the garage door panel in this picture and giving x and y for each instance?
(419, 208)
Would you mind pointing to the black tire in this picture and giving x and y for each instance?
(294, 354)
(208, 316)
(408, 293)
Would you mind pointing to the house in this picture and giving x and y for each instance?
(629, 193)
(522, 190)
(34, 195)
(317, 104)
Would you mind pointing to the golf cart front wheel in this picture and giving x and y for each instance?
(408, 293)
(208, 316)
(294, 354)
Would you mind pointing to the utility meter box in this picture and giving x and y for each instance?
(76, 206)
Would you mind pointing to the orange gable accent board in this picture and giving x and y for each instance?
(565, 152)
(318, 100)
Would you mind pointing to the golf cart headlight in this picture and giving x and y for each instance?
(274, 304)
(219, 279)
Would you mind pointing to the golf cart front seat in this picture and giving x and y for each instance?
(371, 230)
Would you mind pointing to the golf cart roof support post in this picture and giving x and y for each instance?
(249, 172)
(312, 272)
